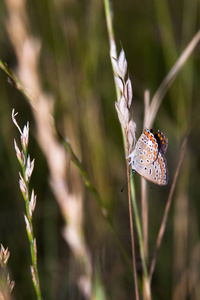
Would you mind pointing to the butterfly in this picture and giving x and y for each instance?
(148, 157)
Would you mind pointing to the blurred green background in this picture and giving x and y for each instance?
(75, 68)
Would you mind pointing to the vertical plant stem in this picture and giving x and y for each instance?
(147, 291)
(147, 294)
(144, 194)
(30, 200)
(132, 233)
(144, 207)
(113, 50)
(35, 279)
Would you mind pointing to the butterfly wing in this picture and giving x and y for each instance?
(156, 172)
(145, 151)
(148, 159)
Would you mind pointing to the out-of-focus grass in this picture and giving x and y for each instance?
(75, 68)
(181, 101)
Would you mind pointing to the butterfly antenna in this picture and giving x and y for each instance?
(126, 183)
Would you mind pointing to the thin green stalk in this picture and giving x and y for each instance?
(140, 237)
(132, 235)
(13, 80)
(113, 50)
(35, 279)
(30, 199)
(136, 215)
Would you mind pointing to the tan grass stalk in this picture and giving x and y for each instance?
(166, 83)
(132, 233)
(129, 127)
(166, 212)
(144, 195)
(149, 117)
(124, 99)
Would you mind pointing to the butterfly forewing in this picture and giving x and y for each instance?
(146, 149)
